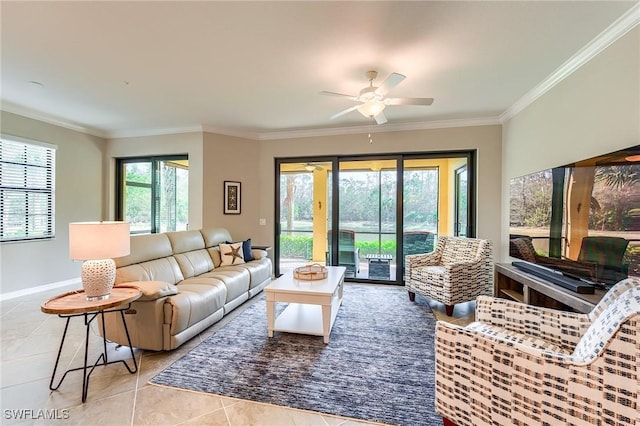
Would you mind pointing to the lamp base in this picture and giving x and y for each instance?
(98, 277)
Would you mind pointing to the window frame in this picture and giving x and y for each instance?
(6, 186)
(121, 183)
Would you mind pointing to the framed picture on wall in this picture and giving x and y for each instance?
(231, 197)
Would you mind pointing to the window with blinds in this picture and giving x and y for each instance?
(27, 189)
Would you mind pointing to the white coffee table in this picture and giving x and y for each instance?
(313, 305)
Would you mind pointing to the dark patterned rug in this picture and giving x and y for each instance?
(378, 365)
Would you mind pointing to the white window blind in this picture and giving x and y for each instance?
(27, 189)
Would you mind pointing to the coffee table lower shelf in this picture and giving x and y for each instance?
(305, 319)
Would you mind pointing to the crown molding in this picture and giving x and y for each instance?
(136, 133)
(50, 119)
(400, 127)
(613, 32)
(231, 132)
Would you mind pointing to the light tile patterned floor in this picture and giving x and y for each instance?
(29, 344)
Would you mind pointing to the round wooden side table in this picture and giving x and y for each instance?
(74, 304)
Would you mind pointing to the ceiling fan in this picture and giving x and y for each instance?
(312, 166)
(372, 100)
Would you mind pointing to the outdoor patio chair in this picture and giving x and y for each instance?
(608, 254)
(528, 365)
(348, 253)
(458, 270)
(416, 242)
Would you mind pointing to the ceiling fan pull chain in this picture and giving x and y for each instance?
(370, 126)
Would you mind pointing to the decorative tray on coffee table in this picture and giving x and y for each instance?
(310, 272)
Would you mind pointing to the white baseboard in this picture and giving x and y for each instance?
(39, 289)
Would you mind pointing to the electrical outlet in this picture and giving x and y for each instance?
(263, 221)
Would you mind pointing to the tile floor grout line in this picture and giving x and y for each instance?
(135, 393)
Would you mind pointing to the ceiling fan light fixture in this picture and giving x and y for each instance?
(369, 94)
(371, 109)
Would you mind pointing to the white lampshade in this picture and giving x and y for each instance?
(97, 243)
(98, 240)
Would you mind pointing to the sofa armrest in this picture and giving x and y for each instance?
(152, 290)
(559, 327)
(259, 254)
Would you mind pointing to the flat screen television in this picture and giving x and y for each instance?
(582, 218)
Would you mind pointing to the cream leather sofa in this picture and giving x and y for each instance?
(185, 290)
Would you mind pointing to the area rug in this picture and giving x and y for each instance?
(378, 365)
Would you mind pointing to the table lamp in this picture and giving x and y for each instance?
(97, 243)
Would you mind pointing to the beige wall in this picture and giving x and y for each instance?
(177, 144)
(228, 158)
(79, 197)
(594, 111)
(486, 139)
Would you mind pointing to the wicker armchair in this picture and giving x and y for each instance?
(458, 270)
(526, 365)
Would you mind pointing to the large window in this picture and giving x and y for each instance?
(153, 193)
(27, 186)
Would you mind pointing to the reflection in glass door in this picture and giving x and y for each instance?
(367, 222)
(461, 208)
(421, 199)
(304, 210)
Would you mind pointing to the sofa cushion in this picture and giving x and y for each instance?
(231, 254)
(236, 278)
(146, 247)
(194, 263)
(215, 236)
(165, 269)
(183, 241)
(193, 303)
(259, 270)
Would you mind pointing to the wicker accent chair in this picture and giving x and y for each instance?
(458, 270)
(527, 365)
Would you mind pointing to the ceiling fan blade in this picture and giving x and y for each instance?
(341, 95)
(408, 101)
(392, 81)
(343, 112)
(381, 118)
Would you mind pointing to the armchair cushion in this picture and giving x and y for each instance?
(488, 374)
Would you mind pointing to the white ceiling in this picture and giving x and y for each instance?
(256, 68)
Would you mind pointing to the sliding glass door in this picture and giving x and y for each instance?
(367, 219)
(368, 212)
(421, 205)
(304, 212)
